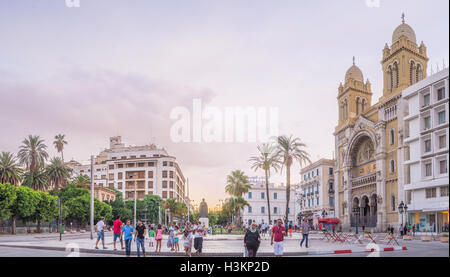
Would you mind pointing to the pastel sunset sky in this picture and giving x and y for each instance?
(118, 67)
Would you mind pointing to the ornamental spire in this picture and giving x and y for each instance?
(403, 18)
(353, 60)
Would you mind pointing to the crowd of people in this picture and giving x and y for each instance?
(125, 233)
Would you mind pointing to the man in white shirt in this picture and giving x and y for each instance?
(100, 232)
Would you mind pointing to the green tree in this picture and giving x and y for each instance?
(213, 218)
(237, 185)
(10, 171)
(46, 209)
(290, 149)
(25, 205)
(170, 205)
(59, 145)
(71, 191)
(57, 173)
(37, 179)
(237, 204)
(8, 197)
(266, 160)
(78, 210)
(81, 181)
(33, 153)
(119, 208)
(152, 203)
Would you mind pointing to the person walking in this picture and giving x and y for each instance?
(400, 229)
(252, 239)
(187, 241)
(198, 240)
(100, 233)
(277, 238)
(117, 225)
(139, 238)
(405, 230)
(414, 230)
(158, 238)
(127, 233)
(151, 236)
(304, 229)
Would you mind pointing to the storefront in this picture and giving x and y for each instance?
(429, 221)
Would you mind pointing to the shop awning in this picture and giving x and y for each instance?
(329, 220)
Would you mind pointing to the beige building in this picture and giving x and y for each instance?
(367, 136)
(104, 194)
(315, 193)
(145, 169)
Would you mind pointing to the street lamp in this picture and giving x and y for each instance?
(401, 210)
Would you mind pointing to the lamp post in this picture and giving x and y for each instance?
(401, 207)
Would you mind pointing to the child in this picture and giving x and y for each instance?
(159, 238)
(175, 238)
(187, 242)
(151, 235)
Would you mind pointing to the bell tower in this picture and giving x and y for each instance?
(354, 96)
(404, 63)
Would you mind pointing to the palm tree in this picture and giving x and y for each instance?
(237, 204)
(10, 171)
(37, 180)
(59, 144)
(266, 160)
(81, 180)
(290, 149)
(33, 153)
(237, 183)
(171, 205)
(57, 173)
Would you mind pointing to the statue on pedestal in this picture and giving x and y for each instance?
(203, 213)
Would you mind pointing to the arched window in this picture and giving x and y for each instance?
(393, 204)
(357, 105)
(395, 75)
(389, 78)
(392, 166)
(391, 137)
(364, 104)
(419, 73)
(412, 73)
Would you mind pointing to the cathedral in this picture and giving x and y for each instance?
(368, 139)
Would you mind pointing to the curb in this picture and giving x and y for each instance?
(230, 254)
(348, 251)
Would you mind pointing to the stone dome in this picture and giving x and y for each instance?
(354, 73)
(404, 30)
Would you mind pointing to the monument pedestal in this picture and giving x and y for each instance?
(204, 221)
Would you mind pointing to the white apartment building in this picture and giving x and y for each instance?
(148, 169)
(425, 152)
(257, 199)
(315, 193)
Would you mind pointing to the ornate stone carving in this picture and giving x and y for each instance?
(377, 139)
(345, 204)
(365, 152)
(379, 199)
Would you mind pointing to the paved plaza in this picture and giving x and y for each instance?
(48, 245)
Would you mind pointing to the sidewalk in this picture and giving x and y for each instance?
(214, 245)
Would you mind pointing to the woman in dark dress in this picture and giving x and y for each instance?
(252, 240)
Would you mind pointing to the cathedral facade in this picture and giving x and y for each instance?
(368, 139)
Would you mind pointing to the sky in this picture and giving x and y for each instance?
(119, 67)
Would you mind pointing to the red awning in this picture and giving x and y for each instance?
(329, 220)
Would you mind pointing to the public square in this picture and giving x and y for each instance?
(80, 245)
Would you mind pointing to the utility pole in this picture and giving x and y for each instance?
(92, 197)
(159, 214)
(134, 215)
(189, 203)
